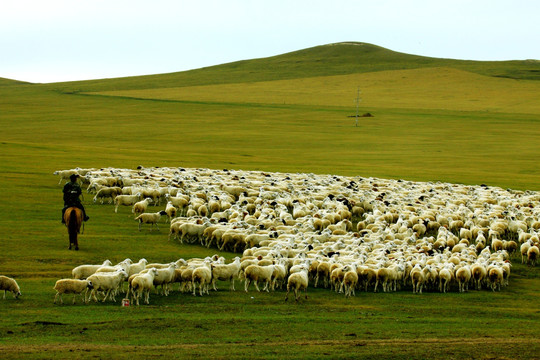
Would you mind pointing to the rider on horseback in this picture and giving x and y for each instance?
(72, 191)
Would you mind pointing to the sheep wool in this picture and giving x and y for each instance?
(9, 284)
(72, 286)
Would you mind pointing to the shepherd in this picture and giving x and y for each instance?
(72, 191)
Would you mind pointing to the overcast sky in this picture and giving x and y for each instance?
(63, 40)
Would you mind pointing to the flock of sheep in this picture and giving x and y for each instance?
(337, 232)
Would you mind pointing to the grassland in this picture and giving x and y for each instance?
(434, 120)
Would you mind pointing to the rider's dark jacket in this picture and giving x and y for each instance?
(72, 191)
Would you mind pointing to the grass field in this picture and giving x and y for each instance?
(434, 120)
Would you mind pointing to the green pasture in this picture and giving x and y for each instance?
(433, 120)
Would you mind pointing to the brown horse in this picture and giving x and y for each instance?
(73, 218)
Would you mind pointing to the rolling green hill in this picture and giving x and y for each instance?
(326, 60)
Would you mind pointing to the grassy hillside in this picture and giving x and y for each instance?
(434, 119)
(326, 60)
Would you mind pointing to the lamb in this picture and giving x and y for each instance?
(126, 200)
(298, 282)
(226, 272)
(9, 284)
(150, 218)
(72, 286)
(142, 284)
(532, 255)
(141, 206)
(255, 273)
(83, 271)
(108, 282)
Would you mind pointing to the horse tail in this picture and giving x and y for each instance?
(72, 220)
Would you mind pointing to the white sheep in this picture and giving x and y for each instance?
(532, 255)
(141, 206)
(202, 276)
(192, 230)
(226, 272)
(255, 273)
(478, 274)
(463, 276)
(137, 267)
(298, 282)
(170, 210)
(164, 277)
(65, 174)
(445, 276)
(495, 277)
(122, 265)
(350, 279)
(72, 286)
(107, 193)
(9, 284)
(280, 274)
(150, 218)
(83, 271)
(418, 277)
(142, 284)
(126, 200)
(106, 282)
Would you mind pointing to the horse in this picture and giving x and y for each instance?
(73, 218)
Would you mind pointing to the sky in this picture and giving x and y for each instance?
(43, 41)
